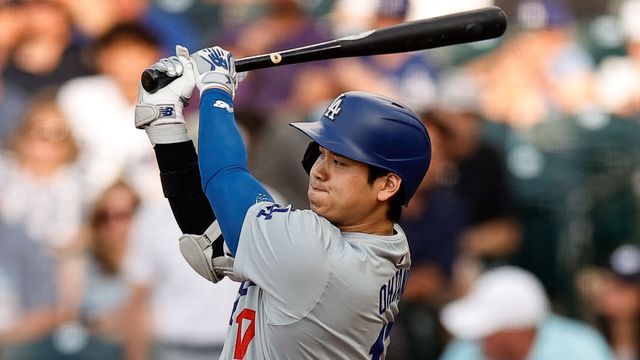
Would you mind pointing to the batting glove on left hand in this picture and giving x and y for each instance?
(160, 113)
(215, 69)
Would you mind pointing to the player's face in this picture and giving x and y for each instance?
(339, 191)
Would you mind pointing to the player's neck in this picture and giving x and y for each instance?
(370, 226)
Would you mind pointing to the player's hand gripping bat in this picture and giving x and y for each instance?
(458, 28)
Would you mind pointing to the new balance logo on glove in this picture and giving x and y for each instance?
(167, 111)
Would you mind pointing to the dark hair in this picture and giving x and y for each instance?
(125, 31)
(395, 203)
(99, 248)
(437, 119)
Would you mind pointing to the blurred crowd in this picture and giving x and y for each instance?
(524, 234)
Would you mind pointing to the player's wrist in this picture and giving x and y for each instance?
(163, 121)
(213, 80)
(217, 93)
(168, 133)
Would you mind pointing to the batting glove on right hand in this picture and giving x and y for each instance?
(215, 69)
(160, 113)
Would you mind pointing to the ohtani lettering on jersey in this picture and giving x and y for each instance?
(392, 290)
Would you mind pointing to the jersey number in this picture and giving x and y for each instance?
(242, 342)
(377, 349)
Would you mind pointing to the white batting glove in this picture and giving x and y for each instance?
(160, 113)
(214, 69)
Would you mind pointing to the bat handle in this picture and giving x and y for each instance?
(153, 80)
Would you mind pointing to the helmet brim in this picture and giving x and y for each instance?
(331, 140)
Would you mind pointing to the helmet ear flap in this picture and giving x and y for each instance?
(310, 156)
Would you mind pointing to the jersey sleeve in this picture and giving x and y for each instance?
(286, 253)
(225, 179)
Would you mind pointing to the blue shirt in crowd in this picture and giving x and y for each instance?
(559, 338)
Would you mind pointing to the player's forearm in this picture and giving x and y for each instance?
(178, 163)
(230, 188)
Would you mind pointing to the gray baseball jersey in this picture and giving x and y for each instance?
(313, 292)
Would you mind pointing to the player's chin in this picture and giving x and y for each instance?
(317, 201)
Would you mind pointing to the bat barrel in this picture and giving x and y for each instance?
(459, 28)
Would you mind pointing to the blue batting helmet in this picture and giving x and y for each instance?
(377, 131)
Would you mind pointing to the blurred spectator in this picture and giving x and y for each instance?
(12, 26)
(433, 221)
(94, 18)
(477, 171)
(12, 99)
(510, 94)
(629, 14)
(41, 187)
(27, 294)
(350, 17)
(409, 77)
(617, 301)
(13, 103)
(40, 183)
(506, 316)
(175, 314)
(540, 74)
(100, 109)
(91, 18)
(570, 183)
(283, 25)
(436, 218)
(618, 86)
(43, 55)
(170, 29)
(618, 81)
(573, 191)
(102, 315)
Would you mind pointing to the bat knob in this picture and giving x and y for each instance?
(154, 80)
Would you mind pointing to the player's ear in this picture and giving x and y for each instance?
(390, 186)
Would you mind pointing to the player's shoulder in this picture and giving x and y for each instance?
(272, 216)
(272, 211)
(266, 210)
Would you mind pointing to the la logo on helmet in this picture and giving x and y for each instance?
(334, 109)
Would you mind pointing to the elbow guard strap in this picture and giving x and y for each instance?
(198, 251)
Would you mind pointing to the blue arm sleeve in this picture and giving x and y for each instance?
(229, 186)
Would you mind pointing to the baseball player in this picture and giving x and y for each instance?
(322, 283)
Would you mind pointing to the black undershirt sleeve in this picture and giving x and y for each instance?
(181, 185)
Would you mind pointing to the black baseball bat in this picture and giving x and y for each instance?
(458, 28)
